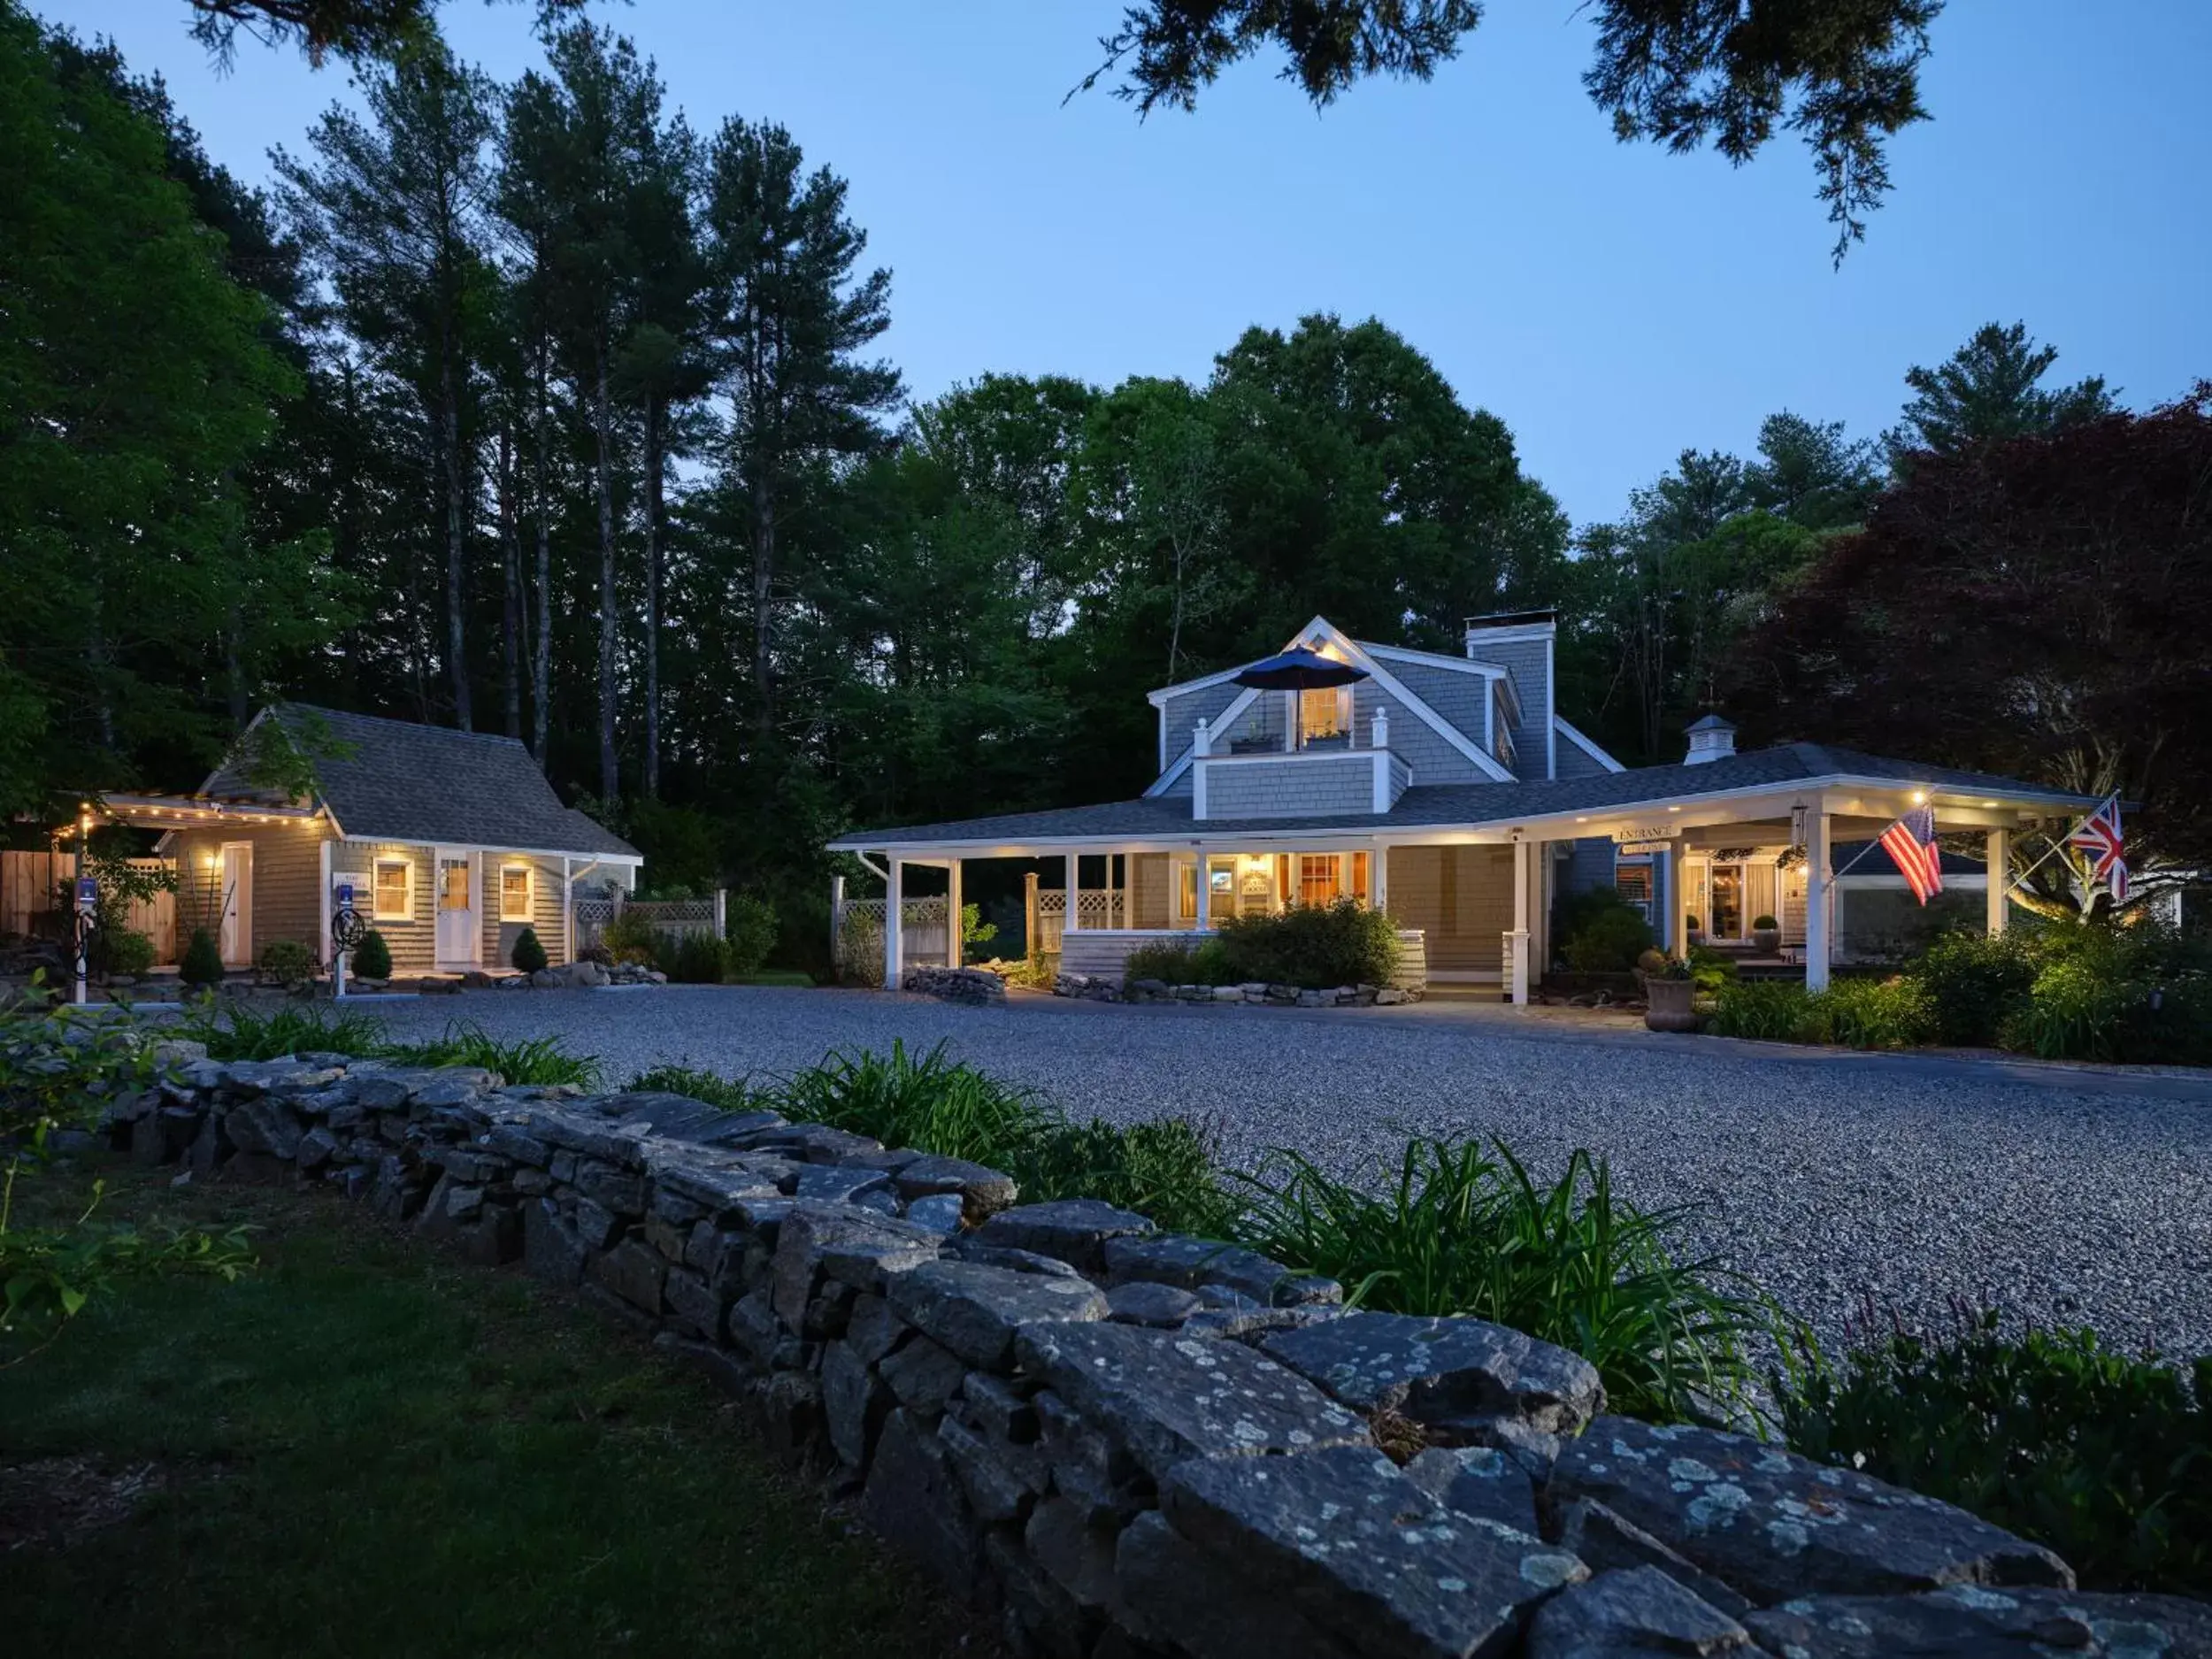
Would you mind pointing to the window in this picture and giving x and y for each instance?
(453, 884)
(394, 897)
(1318, 880)
(514, 893)
(1363, 880)
(1186, 887)
(1325, 715)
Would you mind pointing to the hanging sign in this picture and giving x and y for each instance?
(87, 893)
(1651, 838)
(344, 894)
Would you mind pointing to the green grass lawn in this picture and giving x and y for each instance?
(364, 1447)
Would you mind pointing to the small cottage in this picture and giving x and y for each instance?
(452, 841)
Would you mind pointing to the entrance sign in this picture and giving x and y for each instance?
(1643, 838)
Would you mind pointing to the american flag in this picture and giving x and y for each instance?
(2098, 835)
(1911, 844)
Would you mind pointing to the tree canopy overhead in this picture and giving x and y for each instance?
(1844, 74)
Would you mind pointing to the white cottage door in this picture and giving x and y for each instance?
(234, 933)
(457, 932)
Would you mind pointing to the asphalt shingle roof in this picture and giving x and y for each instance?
(400, 781)
(1461, 805)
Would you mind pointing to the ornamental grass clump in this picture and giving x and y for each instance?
(239, 1032)
(1206, 963)
(1463, 1229)
(931, 1101)
(1766, 1010)
(2106, 1457)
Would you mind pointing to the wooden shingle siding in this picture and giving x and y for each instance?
(1460, 897)
(547, 913)
(1294, 786)
(1206, 703)
(414, 943)
(1529, 662)
(1151, 891)
(286, 899)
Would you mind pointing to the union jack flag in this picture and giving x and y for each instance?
(1910, 843)
(2099, 836)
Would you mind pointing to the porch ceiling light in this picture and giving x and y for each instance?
(1919, 797)
(1674, 809)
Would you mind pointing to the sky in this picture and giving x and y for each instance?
(1612, 304)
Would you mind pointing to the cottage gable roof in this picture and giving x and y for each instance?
(398, 781)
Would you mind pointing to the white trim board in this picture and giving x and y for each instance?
(1165, 782)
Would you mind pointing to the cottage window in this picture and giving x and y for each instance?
(1186, 888)
(394, 899)
(514, 893)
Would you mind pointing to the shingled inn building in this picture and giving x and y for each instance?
(1451, 792)
(453, 843)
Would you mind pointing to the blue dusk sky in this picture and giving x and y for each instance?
(1612, 304)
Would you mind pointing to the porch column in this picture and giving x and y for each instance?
(1678, 912)
(1378, 879)
(894, 921)
(1524, 864)
(1074, 917)
(2000, 878)
(1205, 919)
(953, 945)
(1818, 885)
(323, 905)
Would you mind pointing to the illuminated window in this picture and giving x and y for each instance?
(394, 891)
(1187, 885)
(514, 893)
(1633, 883)
(453, 884)
(1320, 880)
(1325, 715)
(1363, 882)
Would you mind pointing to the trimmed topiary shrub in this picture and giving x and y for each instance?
(749, 929)
(528, 954)
(373, 958)
(203, 962)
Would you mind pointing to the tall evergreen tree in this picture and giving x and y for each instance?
(391, 212)
(792, 320)
(1991, 387)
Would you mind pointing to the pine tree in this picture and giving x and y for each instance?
(1990, 388)
(391, 212)
(791, 320)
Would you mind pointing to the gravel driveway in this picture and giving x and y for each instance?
(2065, 1195)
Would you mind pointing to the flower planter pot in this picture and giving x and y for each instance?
(1768, 940)
(1670, 1005)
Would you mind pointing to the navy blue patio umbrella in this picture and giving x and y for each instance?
(1298, 668)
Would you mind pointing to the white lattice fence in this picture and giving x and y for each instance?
(1094, 908)
(858, 934)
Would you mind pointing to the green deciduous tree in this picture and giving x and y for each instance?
(137, 379)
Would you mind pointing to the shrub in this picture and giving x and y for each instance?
(1313, 945)
(1204, 963)
(1460, 1231)
(749, 929)
(1765, 925)
(2105, 1458)
(286, 962)
(1599, 932)
(123, 951)
(2141, 994)
(696, 958)
(860, 949)
(373, 958)
(1711, 968)
(528, 954)
(1891, 1013)
(1976, 982)
(631, 937)
(1770, 1011)
(203, 962)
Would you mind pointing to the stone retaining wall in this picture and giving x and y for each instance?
(1123, 1443)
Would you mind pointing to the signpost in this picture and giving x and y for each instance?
(87, 919)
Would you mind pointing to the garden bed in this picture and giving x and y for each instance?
(1254, 993)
